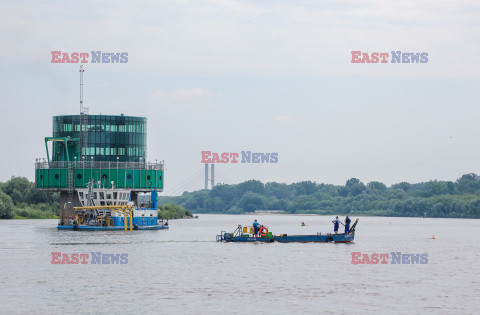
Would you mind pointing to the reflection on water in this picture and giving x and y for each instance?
(184, 270)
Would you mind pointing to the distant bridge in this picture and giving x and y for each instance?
(204, 178)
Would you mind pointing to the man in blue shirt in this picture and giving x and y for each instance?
(256, 227)
(347, 225)
(336, 225)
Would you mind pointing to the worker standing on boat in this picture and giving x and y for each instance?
(336, 225)
(256, 227)
(347, 224)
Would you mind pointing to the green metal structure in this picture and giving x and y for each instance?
(71, 147)
(135, 176)
(113, 155)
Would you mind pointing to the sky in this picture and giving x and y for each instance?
(261, 76)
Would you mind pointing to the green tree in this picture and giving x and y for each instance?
(304, 188)
(352, 181)
(18, 188)
(6, 206)
(468, 183)
(171, 211)
(253, 186)
(403, 185)
(377, 186)
(225, 192)
(434, 188)
(357, 189)
(251, 201)
(436, 198)
(279, 190)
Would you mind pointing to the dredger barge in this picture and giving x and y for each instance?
(98, 164)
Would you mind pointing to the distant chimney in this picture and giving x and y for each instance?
(206, 175)
(213, 175)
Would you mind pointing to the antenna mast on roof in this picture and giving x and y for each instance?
(83, 119)
(81, 89)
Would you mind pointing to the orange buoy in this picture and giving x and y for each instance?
(263, 231)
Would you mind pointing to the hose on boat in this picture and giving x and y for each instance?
(227, 236)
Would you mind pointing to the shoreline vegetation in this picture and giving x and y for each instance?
(170, 211)
(20, 200)
(439, 199)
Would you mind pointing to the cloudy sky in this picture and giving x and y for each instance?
(265, 76)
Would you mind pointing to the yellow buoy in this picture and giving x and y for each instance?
(433, 237)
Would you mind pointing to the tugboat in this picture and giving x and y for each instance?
(244, 234)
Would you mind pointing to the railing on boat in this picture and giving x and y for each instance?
(43, 164)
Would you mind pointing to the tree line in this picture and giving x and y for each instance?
(170, 211)
(455, 199)
(20, 199)
(458, 199)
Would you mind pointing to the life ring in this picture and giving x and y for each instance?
(263, 229)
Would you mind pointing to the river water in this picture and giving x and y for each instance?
(183, 270)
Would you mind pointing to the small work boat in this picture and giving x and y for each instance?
(244, 234)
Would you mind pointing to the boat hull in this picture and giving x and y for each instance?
(108, 228)
(327, 238)
(339, 238)
(240, 235)
(243, 239)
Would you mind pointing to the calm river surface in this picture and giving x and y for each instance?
(183, 270)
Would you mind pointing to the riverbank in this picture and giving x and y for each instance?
(19, 217)
(438, 199)
(170, 211)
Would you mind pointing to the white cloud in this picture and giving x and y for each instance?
(283, 119)
(196, 93)
(218, 37)
(195, 97)
(158, 95)
(104, 85)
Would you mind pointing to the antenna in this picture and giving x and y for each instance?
(83, 119)
(81, 89)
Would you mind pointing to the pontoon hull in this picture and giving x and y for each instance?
(327, 238)
(108, 228)
(339, 238)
